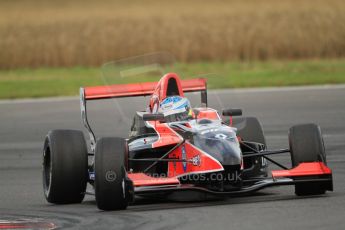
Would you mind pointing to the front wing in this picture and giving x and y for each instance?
(314, 172)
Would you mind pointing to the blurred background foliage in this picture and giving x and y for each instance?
(36, 33)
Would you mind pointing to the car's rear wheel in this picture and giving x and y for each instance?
(306, 145)
(112, 188)
(65, 166)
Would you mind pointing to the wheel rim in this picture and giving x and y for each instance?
(47, 170)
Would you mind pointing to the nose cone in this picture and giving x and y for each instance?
(220, 142)
(231, 155)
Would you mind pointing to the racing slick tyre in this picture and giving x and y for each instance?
(249, 129)
(112, 187)
(306, 145)
(65, 162)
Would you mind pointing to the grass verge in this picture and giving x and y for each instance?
(48, 82)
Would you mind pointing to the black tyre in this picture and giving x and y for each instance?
(65, 163)
(249, 129)
(111, 184)
(306, 145)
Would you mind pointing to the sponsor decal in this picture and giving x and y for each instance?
(196, 160)
(167, 106)
(174, 162)
(221, 136)
(91, 175)
(184, 157)
(208, 131)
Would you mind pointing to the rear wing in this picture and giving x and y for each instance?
(139, 89)
(131, 90)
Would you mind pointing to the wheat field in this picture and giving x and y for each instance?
(36, 33)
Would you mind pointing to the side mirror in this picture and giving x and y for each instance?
(232, 112)
(153, 117)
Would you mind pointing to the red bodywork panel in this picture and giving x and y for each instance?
(180, 86)
(304, 169)
(162, 86)
(141, 179)
(143, 89)
(198, 161)
(125, 90)
(166, 135)
(208, 113)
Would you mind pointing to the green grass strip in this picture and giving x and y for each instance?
(48, 82)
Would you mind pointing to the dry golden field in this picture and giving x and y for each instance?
(35, 33)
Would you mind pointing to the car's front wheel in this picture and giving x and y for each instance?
(306, 145)
(112, 187)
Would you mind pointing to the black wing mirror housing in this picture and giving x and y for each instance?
(232, 112)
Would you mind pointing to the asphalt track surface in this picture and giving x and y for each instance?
(24, 124)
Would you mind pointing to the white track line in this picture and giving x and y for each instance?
(21, 145)
(220, 91)
(277, 89)
(39, 100)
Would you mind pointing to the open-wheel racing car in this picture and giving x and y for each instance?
(173, 147)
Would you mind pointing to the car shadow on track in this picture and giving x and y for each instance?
(149, 204)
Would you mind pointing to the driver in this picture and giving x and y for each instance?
(175, 108)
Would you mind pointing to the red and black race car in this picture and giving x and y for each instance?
(173, 148)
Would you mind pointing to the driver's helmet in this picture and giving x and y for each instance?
(175, 108)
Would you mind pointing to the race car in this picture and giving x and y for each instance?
(173, 148)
